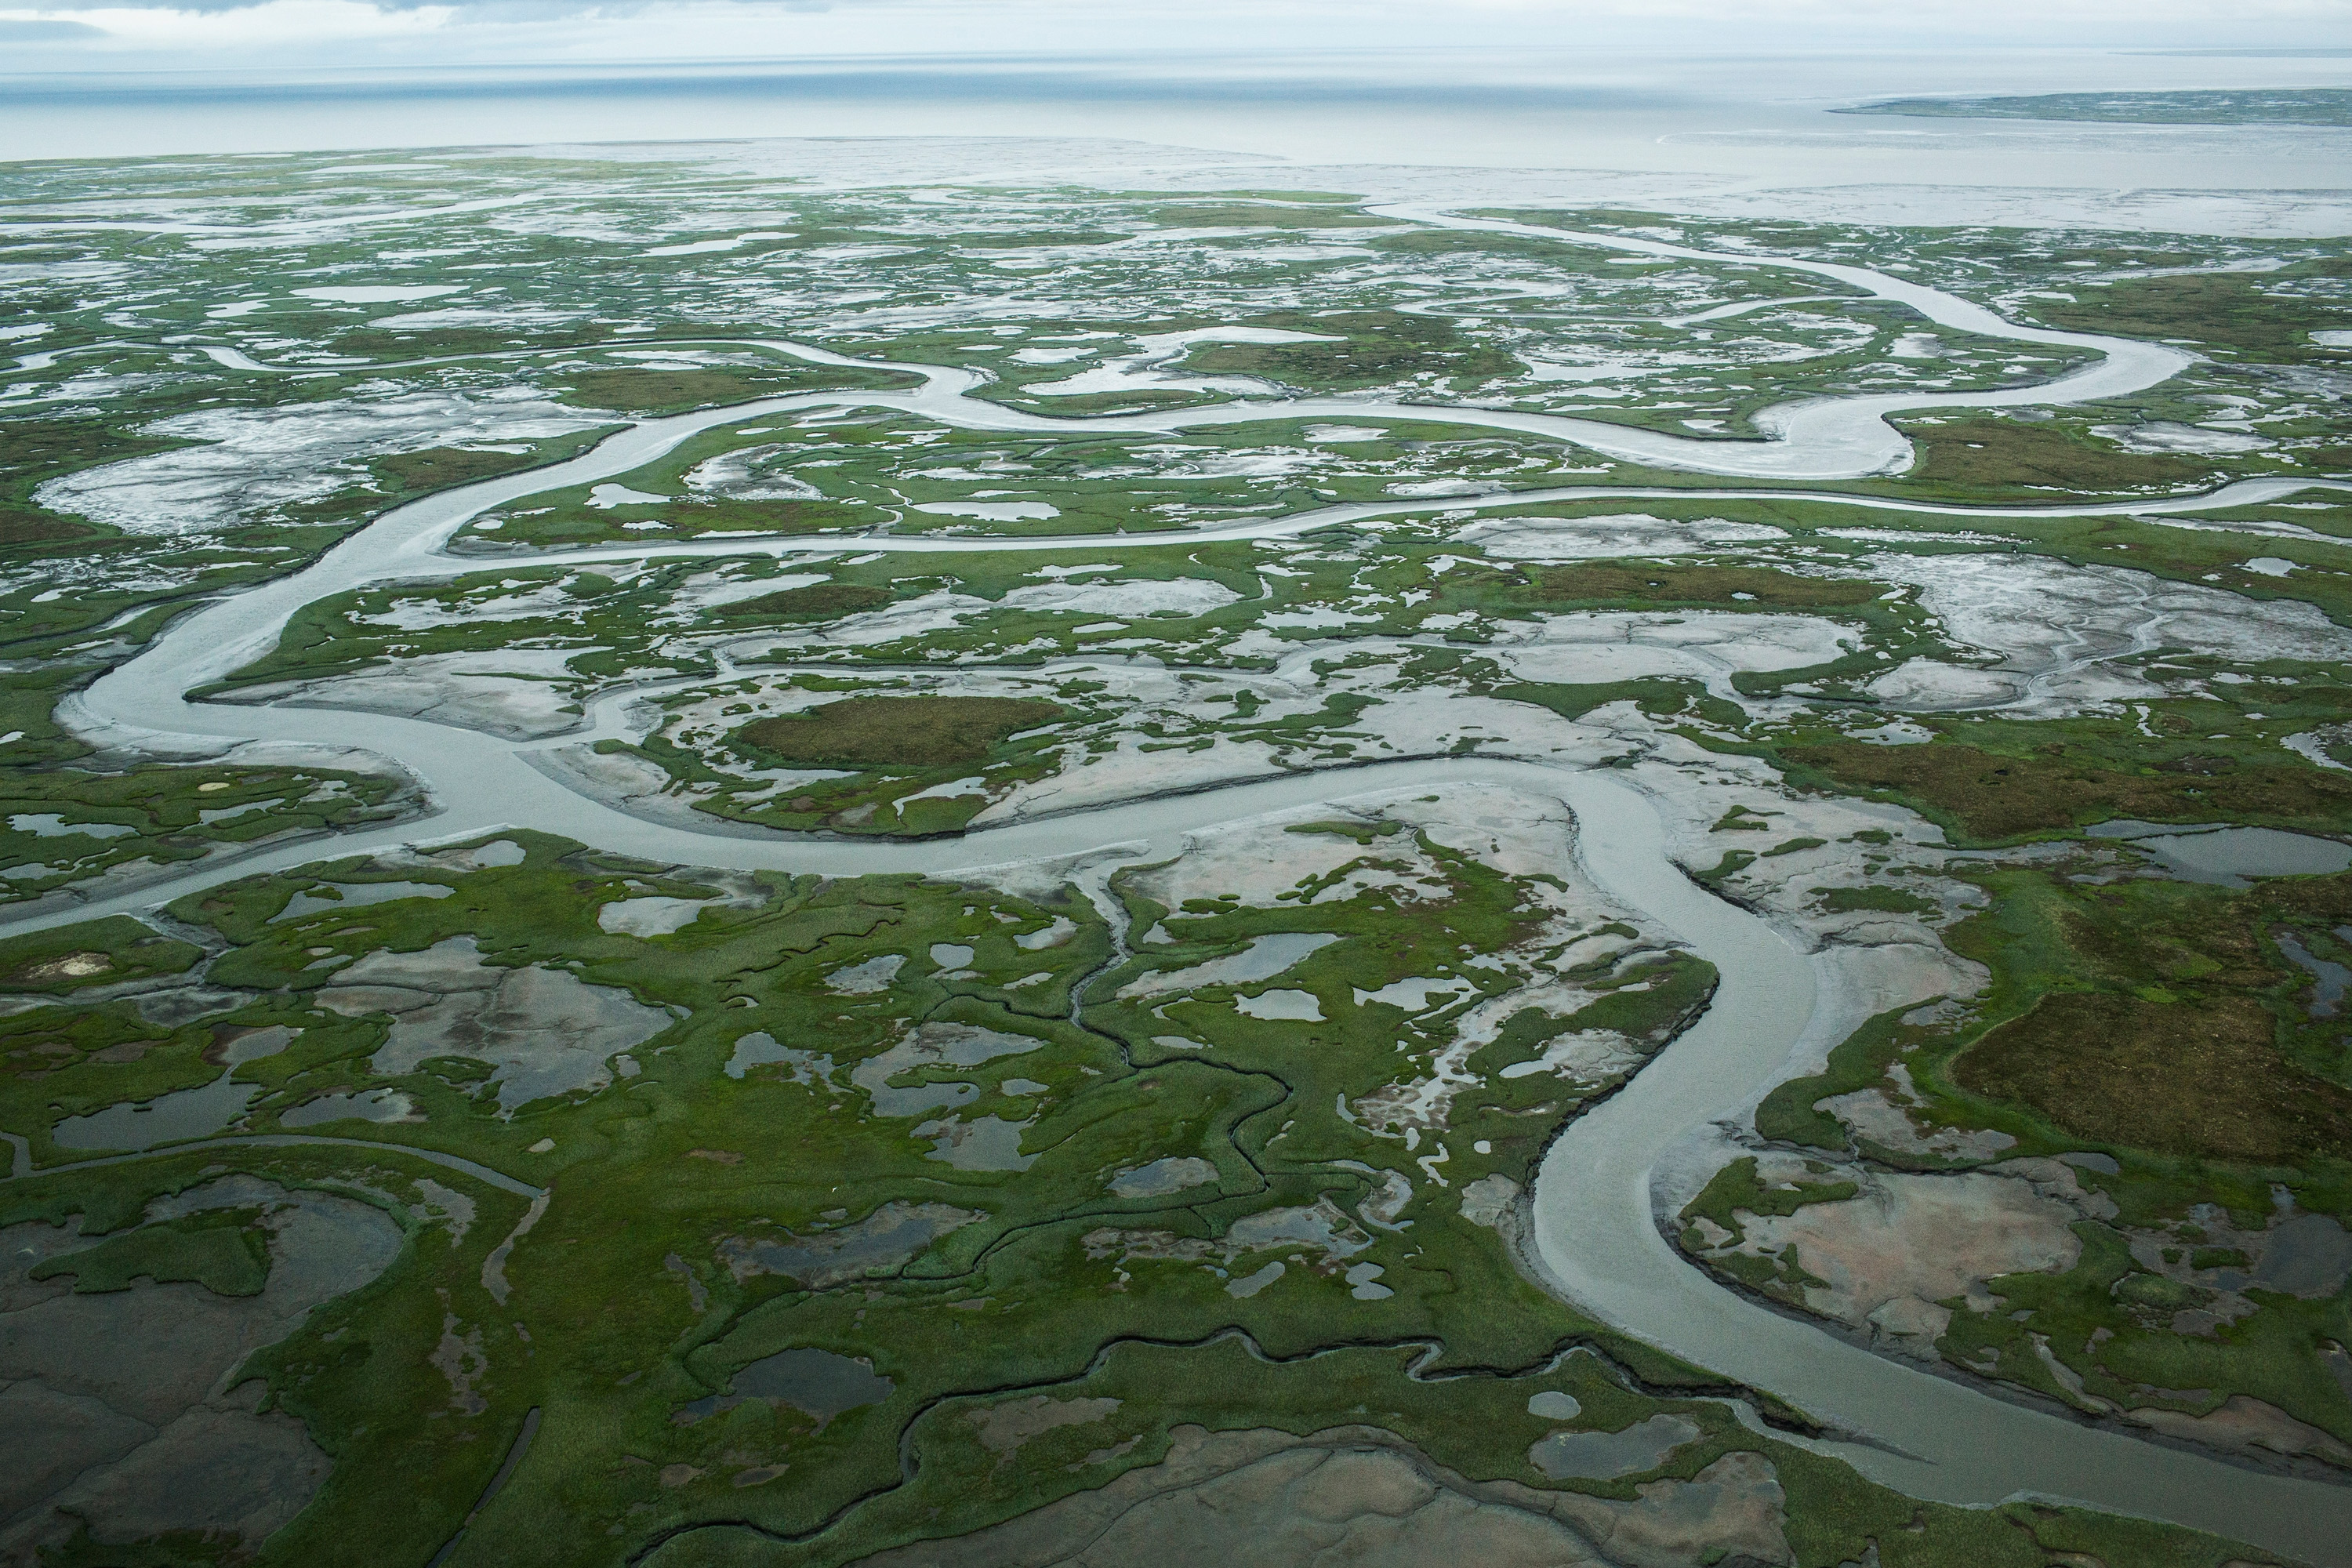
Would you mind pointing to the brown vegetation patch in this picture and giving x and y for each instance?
(2197, 1079)
(2228, 311)
(897, 732)
(40, 450)
(376, 343)
(818, 601)
(1997, 796)
(439, 468)
(23, 526)
(2006, 452)
(1374, 347)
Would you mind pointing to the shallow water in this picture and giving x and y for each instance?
(1263, 959)
(167, 1118)
(357, 894)
(1595, 1233)
(815, 1381)
(53, 825)
(983, 1143)
(933, 1045)
(2226, 857)
(183, 1114)
(760, 1049)
(2330, 979)
(371, 1105)
(1605, 1455)
(1176, 1173)
(2309, 1256)
(1282, 1006)
(1603, 119)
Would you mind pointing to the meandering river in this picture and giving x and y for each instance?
(1597, 1238)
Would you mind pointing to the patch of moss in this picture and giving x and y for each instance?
(440, 468)
(95, 952)
(1787, 1114)
(2201, 1079)
(817, 601)
(1996, 453)
(221, 1250)
(896, 732)
(2227, 310)
(1736, 1188)
(1375, 347)
(1886, 900)
(1995, 797)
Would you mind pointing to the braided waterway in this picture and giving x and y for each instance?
(1597, 1238)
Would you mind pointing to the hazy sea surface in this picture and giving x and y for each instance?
(1702, 127)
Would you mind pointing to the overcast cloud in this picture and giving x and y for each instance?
(82, 35)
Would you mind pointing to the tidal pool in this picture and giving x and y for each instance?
(2226, 855)
(52, 824)
(2327, 993)
(934, 1045)
(983, 1143)
(1161, 1177)
(356, 894)
(1605, 1455)
(1263, 959)
(813, 1382)
(371, 1105)
(760, 1049)
(1284, 1006)
(183, 1114)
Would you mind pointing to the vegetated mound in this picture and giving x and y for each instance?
(2198, 1078)
(439, 468)
(221, 1250)
(2008, 452)
(27, 525)
(897, 732)
(672, 390)
(817, 601)
(2224, 310)
(1737, 586)
(1373, 347)
(1997, 796)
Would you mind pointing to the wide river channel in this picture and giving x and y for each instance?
(1598, 1241)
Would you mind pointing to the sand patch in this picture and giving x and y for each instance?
(1885, 1256)
(516, 694)
(2247, 1425)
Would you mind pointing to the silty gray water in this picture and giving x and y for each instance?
(1597, 1238)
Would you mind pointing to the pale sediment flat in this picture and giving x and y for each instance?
(1597, 1236)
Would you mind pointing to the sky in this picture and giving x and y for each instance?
(99, 35)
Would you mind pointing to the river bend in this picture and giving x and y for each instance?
(1596, 1237)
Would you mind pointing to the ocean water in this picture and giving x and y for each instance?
(1590, 125)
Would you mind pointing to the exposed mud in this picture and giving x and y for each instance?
(1361, 1496)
